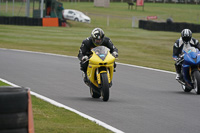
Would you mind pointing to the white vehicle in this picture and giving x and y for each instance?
(76, 16)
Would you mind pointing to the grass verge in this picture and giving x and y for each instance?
(3, 84)
(51, 119)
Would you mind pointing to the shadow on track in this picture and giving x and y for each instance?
(90, 99)
(182, 92)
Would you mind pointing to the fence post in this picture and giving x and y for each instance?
(41, 8)
(13, 7)
(133, 21)
(27, 8)
(6, 6)
(108, 19)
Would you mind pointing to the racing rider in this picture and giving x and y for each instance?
(182, 43)
(97, 38)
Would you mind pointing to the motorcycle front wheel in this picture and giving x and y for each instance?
(104, 87)
(196, 75)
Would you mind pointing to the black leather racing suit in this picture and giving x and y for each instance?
(178, 49)
(86, 47)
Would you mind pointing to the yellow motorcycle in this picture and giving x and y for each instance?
(100, 72)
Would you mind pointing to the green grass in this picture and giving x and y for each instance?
(179, 12)
(3, 84)
(51, 119)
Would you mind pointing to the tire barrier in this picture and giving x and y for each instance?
(25, 21)
(16, 114)
(168, 26)
(20, 21)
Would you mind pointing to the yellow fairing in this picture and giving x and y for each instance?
(95, 66)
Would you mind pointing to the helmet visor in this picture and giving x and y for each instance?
(186, 39)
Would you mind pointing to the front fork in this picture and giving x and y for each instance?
(98, 74)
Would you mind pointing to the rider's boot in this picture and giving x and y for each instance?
(178, 76)
(85, 78)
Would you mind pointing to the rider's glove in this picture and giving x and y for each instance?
(115, 54)
(84, 58)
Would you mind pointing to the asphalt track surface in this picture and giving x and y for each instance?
(141, 100)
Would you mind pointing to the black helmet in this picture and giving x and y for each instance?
(186, 35)
(97, 36)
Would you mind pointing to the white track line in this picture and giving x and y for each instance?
(146, 68)
(71, 109)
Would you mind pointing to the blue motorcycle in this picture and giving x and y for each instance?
(190, 70)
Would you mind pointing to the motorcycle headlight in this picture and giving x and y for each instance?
(102, 56)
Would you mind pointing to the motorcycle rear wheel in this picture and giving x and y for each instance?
(94, 94)
(197, 82)
(105, 87)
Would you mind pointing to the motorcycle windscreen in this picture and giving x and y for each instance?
(191, 55)
(189, 50)
(101, 51)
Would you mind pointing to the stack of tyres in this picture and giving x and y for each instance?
(1, 19)
(38, 22)
(14, 110)
(29, 22)
(22, 20)
(34, 21)
(6, 20)
(168, 26)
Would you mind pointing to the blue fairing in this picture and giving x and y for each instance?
(191, 58)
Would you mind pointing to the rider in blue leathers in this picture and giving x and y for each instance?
(183, 42)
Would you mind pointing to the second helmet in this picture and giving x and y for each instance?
(186, 35)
